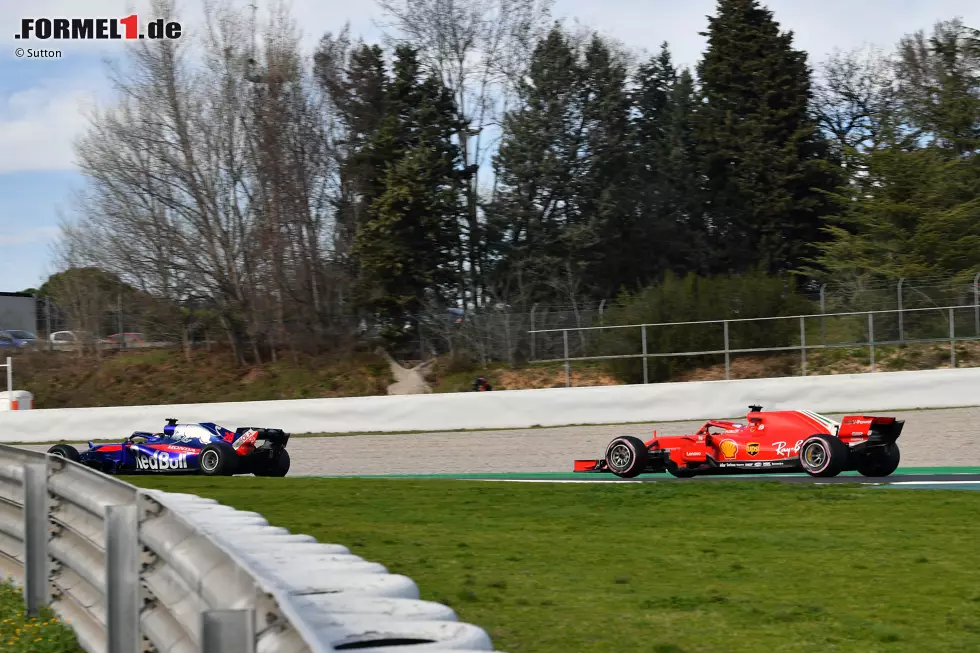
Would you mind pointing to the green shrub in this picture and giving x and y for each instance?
(694, 299)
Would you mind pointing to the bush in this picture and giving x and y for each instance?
(694, 299)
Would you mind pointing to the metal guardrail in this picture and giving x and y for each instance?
(802, 347)
(145, 570)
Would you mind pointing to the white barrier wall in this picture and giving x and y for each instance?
(860, 393)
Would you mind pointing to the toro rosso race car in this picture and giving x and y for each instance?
(770, 442)
(204, 448)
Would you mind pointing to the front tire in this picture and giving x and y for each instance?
(65, 451)
(880, 463)
(216, 460)
(276, 468)
(823, 456)
(627, 456)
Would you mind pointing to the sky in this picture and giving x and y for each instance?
(45, 103)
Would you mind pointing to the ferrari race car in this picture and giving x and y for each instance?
(204, 448)
(770, 442)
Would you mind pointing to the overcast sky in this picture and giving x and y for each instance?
(43, 103)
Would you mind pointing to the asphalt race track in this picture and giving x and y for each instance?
(939, 448)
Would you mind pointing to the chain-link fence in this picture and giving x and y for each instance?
(108, 321)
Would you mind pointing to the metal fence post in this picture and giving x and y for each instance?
(901, 316)
(122, 555)
(228, 631)
(823, 311)
(568, 380)
(871, 337)
(803, 344)
(976, 303)
(952, 338)
(532, 330)
(10, 381)
(646, 371)
(35, 536)
(728, 361)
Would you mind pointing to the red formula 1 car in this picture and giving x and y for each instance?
(770, 442)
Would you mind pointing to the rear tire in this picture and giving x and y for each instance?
(65, 451)
(882, 462)
(276, 468)
(627, 456)
(217, 460)
(823, 455)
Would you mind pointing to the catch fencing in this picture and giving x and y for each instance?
(868, 330)
(144, 570)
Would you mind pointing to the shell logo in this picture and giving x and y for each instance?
(729, 448)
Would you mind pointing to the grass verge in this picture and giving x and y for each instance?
(660, 567)
(19, 633)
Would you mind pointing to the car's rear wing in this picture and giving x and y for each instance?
(870, 428)
(275, 436)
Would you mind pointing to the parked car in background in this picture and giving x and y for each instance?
(69, 340)
(8, 342)
(25, 337)
(16, 339)
(126, 339)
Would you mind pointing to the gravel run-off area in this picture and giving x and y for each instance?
(931, 438)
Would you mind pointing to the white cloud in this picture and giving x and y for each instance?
(39, 125)
(29, 236)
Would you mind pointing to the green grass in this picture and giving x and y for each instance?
(19, 633)
(678, 567)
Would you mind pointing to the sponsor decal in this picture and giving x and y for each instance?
(858, 421)
(756, 464)
(728, 448)
(173, 448)
(762, 427)
(248, 437)
(161, 461)
(752, 448)
(783, 450)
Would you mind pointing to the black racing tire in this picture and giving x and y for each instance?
(65, 451)
(627, 457)
(823, 456)
(217, 460)
(882, 461)
(275, 468)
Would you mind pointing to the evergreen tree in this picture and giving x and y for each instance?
(764, 159)
(669, 223)
(535, 167)
(599, 236)
(408, 243)
(355, 86)
(915, 212)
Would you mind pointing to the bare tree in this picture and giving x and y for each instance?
(208, 181)
(856, 100)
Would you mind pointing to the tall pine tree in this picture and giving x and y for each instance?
(408, 245)
(669, 230)
(764, 159)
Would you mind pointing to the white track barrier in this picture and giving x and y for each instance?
(660, 402)
(147, 570)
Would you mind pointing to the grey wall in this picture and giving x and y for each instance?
(18, 311)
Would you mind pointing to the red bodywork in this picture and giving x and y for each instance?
(765, 442)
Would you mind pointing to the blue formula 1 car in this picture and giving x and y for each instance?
(204, 448)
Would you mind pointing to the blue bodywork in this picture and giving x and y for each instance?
(179, 448)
